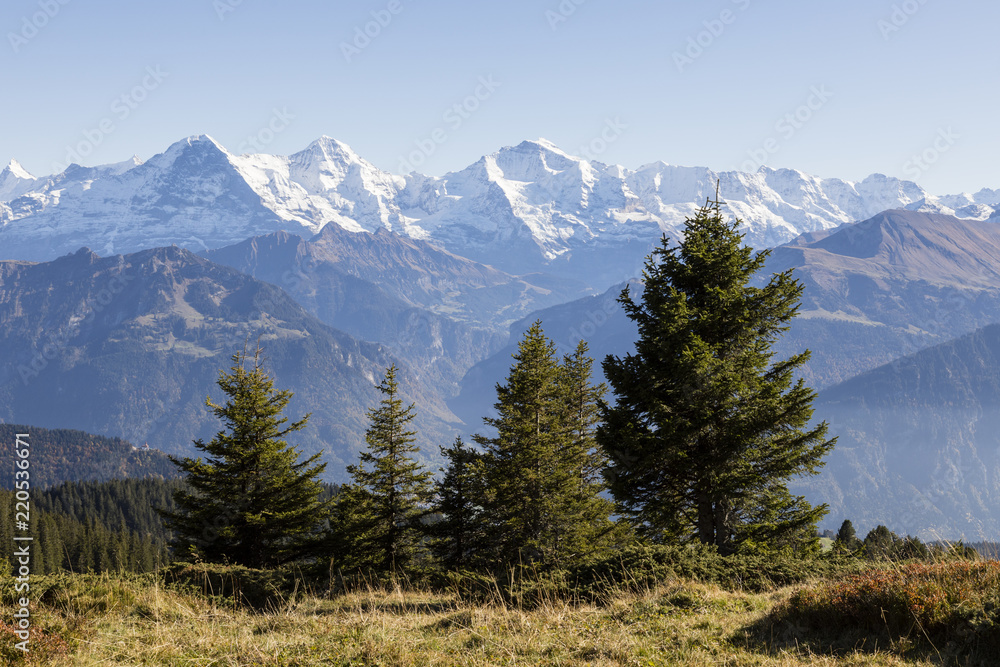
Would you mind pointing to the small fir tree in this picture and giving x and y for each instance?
(252, 502)
(541, 503)
(585, 509)
(847, 537)
(395, 487)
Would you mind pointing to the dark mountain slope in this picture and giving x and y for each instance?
(599, 320)
(71, 456)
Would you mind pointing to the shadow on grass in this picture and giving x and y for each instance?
(778, 633)
(390, 607)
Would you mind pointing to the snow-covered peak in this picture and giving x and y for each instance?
(526, 207)
(550, 147)
(125, 165)
(331, 149)
(533, 160)
(15, 169)
(200, 146)
(326, 162)
(14, 181)
(659, 165)
(203, 139)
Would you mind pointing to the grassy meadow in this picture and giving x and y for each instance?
(889, 614)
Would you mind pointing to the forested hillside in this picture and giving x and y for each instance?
(918, 443)
(63, 455)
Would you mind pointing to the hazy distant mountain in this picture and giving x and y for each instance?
(130, 347)
(441, 312)
(526, 208)
(889, 286)
(599, 320)
(919, 443)
(874, 291)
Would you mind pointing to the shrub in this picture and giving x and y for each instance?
(643, 567)
(43, 646)
(955, 601)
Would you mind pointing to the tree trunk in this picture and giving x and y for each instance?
(706, 519)
(722, 527)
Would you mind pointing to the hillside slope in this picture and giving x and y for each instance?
(61, 455)
(918, 443)
(130, 346)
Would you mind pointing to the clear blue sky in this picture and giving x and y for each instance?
(228, 64)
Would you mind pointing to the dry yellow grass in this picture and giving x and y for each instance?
(139, 622)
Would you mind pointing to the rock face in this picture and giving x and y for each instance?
(525, 208)
(918, 443)
(130, 346)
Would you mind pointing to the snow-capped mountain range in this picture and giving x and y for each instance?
(524, 208)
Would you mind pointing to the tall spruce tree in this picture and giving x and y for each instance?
(394, 487)
(252, 502)
(586, 510)
(707, 430)
(540, 503)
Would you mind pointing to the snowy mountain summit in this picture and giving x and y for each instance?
(523, 208)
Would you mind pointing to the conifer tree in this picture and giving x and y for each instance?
(252, 502)
(85, 551)
(50, 539)
(393, 489)
(585, 510)
(707, 429)
(350, 534)
(880, 542)
(458, 535)
(541, 503)
(847, 537)
(581, 399)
